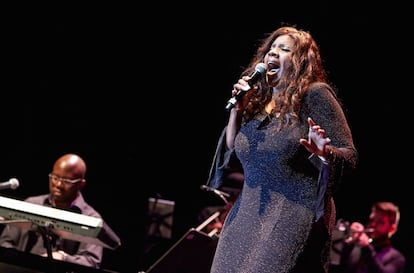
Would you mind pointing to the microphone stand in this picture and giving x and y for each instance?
(48, 241)
(221, 194)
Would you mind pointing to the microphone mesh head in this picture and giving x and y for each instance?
(261, 67)
(14, 183)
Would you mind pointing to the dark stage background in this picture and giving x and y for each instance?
(140, 94)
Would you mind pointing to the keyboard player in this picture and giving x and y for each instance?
(66, 182)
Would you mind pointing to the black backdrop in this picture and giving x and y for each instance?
(140, 94)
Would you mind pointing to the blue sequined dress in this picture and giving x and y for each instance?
(283, 217)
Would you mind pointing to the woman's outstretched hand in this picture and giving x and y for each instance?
(317, 140)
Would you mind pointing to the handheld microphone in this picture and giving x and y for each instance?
(12, 183)
(259, 70)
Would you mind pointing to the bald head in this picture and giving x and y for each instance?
(70, 165)
(66, 180)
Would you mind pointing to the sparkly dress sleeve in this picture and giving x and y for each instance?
(224, 161)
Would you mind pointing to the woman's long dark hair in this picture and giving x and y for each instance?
(306, 68)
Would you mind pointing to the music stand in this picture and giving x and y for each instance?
(192, 253)
(161, 214)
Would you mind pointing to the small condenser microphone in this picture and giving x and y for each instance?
(12, 183)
